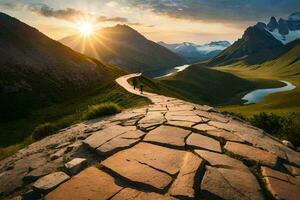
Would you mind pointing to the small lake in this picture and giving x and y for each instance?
(166, 72)
(258, 95)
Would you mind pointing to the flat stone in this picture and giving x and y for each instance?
(205, 127)
(91, 183)
(216, 132)
(267, 172)
(133, 194)
(203, 142)
(133, 134)
(189, 118)
(295, 171)
(221, 183)
(49, 182)
(146, 163)
(168, 135)
(183, 107)
(183, 186)
(115, 145)
(120, 142)
(75, 165)
(221, 160)
(281, 189)
(181, 123)
(214, 116)
(151, 119)
(103, 136)
(58, 154)
(252, 153)
(228, 136)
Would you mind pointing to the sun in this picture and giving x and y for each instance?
(86, 29)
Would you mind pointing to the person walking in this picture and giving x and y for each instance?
(142, 88)
(134, 82)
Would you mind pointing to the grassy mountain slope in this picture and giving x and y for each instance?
(124, 47)
(204, 85)
(255, 46)
(43, 81)
(285, 67)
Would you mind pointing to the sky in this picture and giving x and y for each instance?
(172, 21)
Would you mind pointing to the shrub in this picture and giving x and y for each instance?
(43, 130)
(101, 110)
(283, 127)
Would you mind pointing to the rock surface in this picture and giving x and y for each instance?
(75, 165)
(171, 149)
(49, 182)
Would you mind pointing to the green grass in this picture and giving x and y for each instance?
(282, 103)
(156, 86)
(100, 110)
(208, 86)
(18, 133)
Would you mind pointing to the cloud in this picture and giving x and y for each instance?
(218, 10)
(112, 19)
(46, 11)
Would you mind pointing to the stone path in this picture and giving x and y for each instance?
(171, 149)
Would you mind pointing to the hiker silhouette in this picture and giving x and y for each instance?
(134, 82)
(142, 88)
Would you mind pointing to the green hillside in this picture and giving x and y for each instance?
(208, 86)
(43, 81)
(285, 67)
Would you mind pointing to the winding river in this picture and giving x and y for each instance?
(258, 95)
(166, 72)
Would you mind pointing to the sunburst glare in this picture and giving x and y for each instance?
(86, 29)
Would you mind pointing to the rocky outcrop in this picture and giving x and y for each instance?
(171, 149)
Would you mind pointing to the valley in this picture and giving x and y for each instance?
(168, 100)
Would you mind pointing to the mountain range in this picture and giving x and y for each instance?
(194, 52)
(125, 47)
(36, 71)
(285, 30)
(262, 42)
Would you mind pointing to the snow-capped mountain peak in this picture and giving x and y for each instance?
(294, 17)
(195, 52)
(284, 30)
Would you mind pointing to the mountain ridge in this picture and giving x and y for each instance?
(194, 52)
(123, 46)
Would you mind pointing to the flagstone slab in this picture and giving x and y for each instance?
(168, 135)
(47, 183)
(221, 183)
(281, 189)
(205, 127)
(181, 123)
(203, 142)
(147, 164)
(221, 160)
(184, 184)
(252, 153)
(92, 184)
(101, 137)
(268, 172)
(151, 119)
(115, 145)
(189, 118)
(295, 171)
(75, 165)
(132, 194)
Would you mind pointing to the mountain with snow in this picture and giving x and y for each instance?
(285, 30)
(194, 52)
